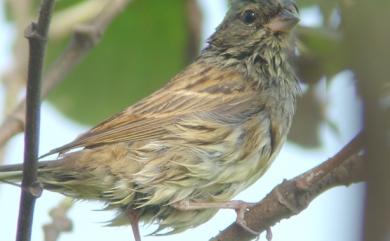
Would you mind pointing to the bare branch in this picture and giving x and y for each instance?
(36, 34)
(65, 20)
(85, 38)
(289, 198)
(315, 175)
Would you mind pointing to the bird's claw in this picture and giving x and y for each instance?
(242, 224)
(241, 208)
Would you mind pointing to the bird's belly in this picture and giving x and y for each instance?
(238, 175)
(220, 181)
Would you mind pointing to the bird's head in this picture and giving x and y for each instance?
(252, 22)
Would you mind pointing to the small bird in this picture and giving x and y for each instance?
(177, 156)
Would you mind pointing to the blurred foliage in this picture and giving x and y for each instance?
(307, 121)
(321, 56)
(143, 49)
(367, 38)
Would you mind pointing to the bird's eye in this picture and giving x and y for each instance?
(249, 16)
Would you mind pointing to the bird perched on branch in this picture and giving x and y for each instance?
(177, 156)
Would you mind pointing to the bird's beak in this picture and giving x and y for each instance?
(284, 22)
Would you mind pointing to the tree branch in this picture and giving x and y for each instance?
(84, 39)
(291, 197)
(36, 34)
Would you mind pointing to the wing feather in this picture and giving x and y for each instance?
(180, 98)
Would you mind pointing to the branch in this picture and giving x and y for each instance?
(84, 39)
(291, 197)
(65, 20)
(36, 34)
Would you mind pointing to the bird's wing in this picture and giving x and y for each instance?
(197, 89)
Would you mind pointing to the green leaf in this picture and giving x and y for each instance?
(143, 49)
(322, 54)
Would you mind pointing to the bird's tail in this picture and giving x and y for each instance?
(69, 175)
(52, 175)
(14, 173)
(61, 175)
(11, 172)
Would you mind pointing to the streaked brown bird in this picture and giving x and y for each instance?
(181, 153)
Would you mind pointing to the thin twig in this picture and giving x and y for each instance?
(288, 199)
(36, 34)
(85, 38)
(65, 20)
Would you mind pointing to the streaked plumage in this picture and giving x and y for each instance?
(207, 135)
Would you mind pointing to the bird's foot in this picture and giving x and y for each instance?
(239, 206)
(243, 207)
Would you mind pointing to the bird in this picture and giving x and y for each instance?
(180, 154)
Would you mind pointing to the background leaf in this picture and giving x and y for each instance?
(142, 50)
